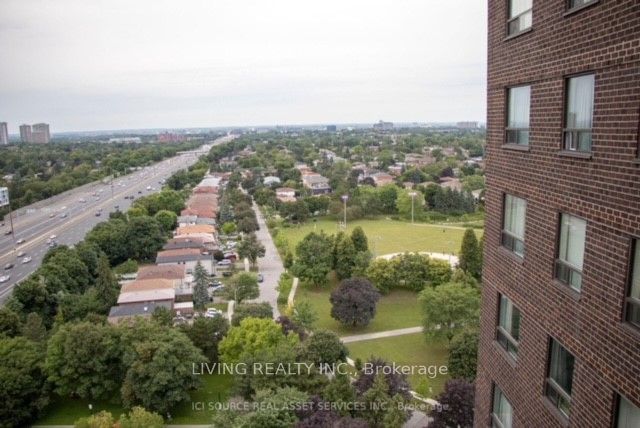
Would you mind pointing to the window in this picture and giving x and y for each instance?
(577, 4)
(571, 251)
(508, 331)
(560, 377)
(628, 414)
(633, 299)
(579, 113)
(518, 119)
(501, 415)
(519, 16)
(513, 224)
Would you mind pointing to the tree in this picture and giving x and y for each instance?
(162, 316)
(304, 315)
(448, 309)
(111, 238)
(251, 248)
(344, 256)
(341, 392)
(144, 238)
(253, 335)
(22, 390)
(325, 347)
(106, 285)
(251, 310)
(242, 286)
(228, 228)
(206, 334)
(463, 355)
(314, 258)
(377, 399)
(200, 293)
(456, 405)
(359, 239)
(74, 269)
(295, 212)
(275, 408)
(139, 417)
(396, 381)
(83, 360)
(354, 302)
(167, 220)
(157, 376)
(33, 328)
(381, 273)
(9, 323)
(470, 258)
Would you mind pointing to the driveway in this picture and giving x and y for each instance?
(270, 265)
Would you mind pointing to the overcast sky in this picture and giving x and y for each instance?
(115, 64)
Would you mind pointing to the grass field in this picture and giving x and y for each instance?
(407, 350)
(398, 309)
(215, 389)
(389, 236)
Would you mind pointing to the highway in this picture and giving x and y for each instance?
(71, 217)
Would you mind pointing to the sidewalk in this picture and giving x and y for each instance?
(380, 334)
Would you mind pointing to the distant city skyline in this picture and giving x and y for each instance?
(84, 66)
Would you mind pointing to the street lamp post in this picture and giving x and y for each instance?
(413, 196)
(345, 198)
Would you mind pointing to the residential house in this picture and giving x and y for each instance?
(270, 180)
(286, 194)
(188, 257)
(132, 310)
(382, 179)
(316, 183)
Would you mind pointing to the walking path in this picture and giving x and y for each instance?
(380, 334)
(270, 265)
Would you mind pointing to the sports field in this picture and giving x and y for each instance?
(389, 236)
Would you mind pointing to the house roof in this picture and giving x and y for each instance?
(195, 228)
(161, 272)
(147, 295)
(285, 190)
(147, 285)
(133, 309)
(179, 255)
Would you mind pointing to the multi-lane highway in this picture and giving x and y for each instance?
(69, 218)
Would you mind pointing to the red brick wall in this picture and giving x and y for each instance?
(604, 190)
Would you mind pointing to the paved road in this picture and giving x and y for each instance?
(380, 334)
(270, 265)
(70, 219)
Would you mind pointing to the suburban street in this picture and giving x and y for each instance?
(70, 216)
(270, 265)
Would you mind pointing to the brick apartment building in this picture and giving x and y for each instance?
(560, 322)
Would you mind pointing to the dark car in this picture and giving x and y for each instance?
(8, 232)
(98, 213)
(8, 266)
(260, 277)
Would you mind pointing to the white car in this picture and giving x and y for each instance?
(26, 260)
(225, 262)
(5, 278)
(22, 254)
(52, 237)
(212, 313)
(20, 241)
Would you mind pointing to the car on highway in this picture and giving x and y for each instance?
(20, 241)
(116, 207)
(21, 254)
(5, 278)
(63, 215)
(82, 200)
(52, 237)
(26, 260)
(8, 266)
(98, 213)
(8, 232)
(52, 215)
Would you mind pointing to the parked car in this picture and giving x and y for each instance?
(216, 288)
(5, 278)
(8, 266)
(215, 283)
(225, 262)
(213, 313)
(260, 277)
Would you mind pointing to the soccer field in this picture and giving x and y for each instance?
(389, 236)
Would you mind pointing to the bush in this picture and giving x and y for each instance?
(253, 310)
(284, 287)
